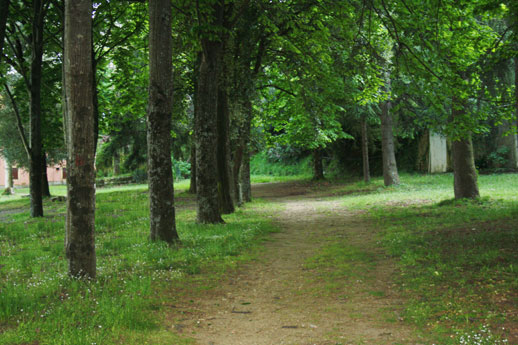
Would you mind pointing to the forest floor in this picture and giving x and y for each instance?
(294, 291)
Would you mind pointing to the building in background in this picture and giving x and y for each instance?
(56, 174)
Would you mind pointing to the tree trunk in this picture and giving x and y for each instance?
(208, 210)
(206, 138)
(35, 160)
(514, 150)
(4, 14)
(9, 177)
(237, 163)
(365, 151)
(225, 184)
(192, 186)
(244, 173)
(318, 167)
(80, 232)
(116, 163)
(95, 94)
(44, 178)
(390, 173)
(246, 184)
(160, 173)
(464, 172)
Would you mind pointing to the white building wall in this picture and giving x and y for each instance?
(438, 153)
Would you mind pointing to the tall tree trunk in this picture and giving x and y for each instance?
(80, 232)
(514, 150)
(9, 177)
(208, 210)
(237, 163)
(4, 14)
(225, 184)
(246, 184)
(116, 163)
(95, 94)
(35, 160)
(365, 151)
(160, 173)
(192, 186)
(244, 173)
(318, 167)
(464, 172)
(44, 178)
(390, 173)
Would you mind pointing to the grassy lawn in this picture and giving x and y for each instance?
(457, 260)
(40, 304)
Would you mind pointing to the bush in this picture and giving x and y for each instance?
(139, 175)
(261, 164)
(181, 170)
(499, 158)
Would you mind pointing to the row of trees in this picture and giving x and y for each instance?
(300, 72)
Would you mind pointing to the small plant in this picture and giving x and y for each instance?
(499, 158)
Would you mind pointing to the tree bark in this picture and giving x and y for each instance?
(192, 186)
(160, 173)
(318, 167)
(80, 232)
(514, 150)
(237, 163)
(35, 161)
(116, 163)
(244, 173)
(4, 14)
(225, 180)
(390, 173)
(464, 172)
(44, 178)
(9, 177)
(95, 94)
(246, 184)
(365, 151)
(208, 210)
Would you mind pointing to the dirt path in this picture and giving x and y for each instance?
(277, 299)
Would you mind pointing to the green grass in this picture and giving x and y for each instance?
(457, 259)
(276, 179)
(338, 264)
(40, 304)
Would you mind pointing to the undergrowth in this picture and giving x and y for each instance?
(262, 165)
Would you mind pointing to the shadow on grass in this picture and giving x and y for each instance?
(458, 262)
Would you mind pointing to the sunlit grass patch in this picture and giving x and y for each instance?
(287, 178)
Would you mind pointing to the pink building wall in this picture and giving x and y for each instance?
(56, 174)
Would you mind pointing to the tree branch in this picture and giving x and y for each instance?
(395, 35)
(278, 88)
(18, 121)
